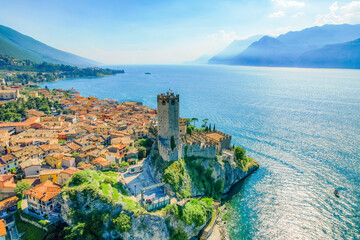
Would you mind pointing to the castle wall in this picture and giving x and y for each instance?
(170, 155)
(199, 150)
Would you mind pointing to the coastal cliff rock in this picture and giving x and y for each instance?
(225, 174)
(197, 176)
(147, 227)
(92, 207)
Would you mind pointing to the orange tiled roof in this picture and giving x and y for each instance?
(44, 191)
(50, 171)
(215, 136)
(27, 122)
(48, 147)
(102, 161)
(33, 181)
(70, 170)
(86, 166)
(2, 228)
(5, 177)
(7, 157)
(73, 146)
(8, 203)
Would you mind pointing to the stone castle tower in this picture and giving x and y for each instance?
(169, 142)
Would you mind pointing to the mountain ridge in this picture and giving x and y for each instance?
(21, 46)
(289, 49)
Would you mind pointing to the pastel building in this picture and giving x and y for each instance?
(43, 198)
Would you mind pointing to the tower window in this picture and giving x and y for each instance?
(163, 102)
(172, 102)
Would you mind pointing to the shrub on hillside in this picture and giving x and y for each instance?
(21, 187)
(80, 178)
(240, 153)
(197, 211)
(123, 222)
(174, 174)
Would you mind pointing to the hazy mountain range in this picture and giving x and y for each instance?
(20, 46)
(328, 46)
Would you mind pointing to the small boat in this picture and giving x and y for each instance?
(336, 193)
(147, 73)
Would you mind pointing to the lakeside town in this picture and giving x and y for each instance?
(41, 153)
(146, 161)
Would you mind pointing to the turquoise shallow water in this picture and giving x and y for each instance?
(302, 125)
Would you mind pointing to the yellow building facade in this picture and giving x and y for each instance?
(55, 160)
(50, 175)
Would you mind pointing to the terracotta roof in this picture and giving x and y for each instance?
(101, 161)
(48, 147)
(85, 166)
(35, 112)
(50, 171)
(7, 157)
(33, 181)
(2, 228)
(5, 177)
(8, 203)
(73, 146)
(44, 191)
(70, 170)
(215, 136)
(25, 123)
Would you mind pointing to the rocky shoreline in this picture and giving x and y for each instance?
(220, 230)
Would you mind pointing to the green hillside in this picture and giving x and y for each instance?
(20, 46)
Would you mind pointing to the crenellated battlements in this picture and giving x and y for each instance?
(167, 97)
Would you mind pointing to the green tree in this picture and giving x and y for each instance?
(204, 123)
(172, 143)
(142, 152)
(76, 232)
(189, 130)
(123, 222)
(124, 164)
(79, 178)
(240, 153)
(194, 120)
(21, 187)
(188, 121)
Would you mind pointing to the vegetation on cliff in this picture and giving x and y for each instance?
(47, 72)
(178, 178)
(96, 201)
(245, 162)
(195, 213)
(182, 174)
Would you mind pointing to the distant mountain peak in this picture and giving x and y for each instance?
(295, 48)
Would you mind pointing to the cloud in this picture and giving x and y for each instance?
(277, 14)
(223, 36)
(298, 14)
(334, 7)
(288, 3)
(347, 13)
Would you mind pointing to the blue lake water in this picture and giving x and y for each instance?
(302, 125)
